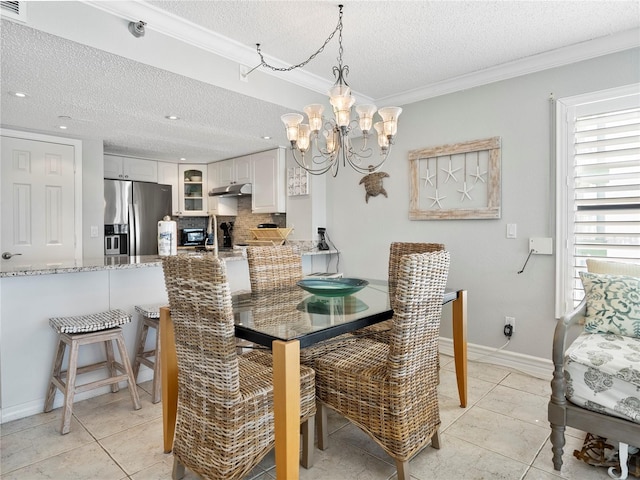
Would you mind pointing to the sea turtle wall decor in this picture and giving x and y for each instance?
(373, 184)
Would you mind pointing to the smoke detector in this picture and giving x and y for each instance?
(137, 28)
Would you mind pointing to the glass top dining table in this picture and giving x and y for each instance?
(285, 321)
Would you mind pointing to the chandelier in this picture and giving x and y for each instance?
(322, 144)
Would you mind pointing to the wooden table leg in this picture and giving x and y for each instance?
(286, 405)
(169, 374)
(459, 315)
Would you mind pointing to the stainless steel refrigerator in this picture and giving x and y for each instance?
(131, 214)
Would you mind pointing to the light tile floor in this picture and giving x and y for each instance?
(502, 434)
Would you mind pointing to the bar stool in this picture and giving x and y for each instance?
(150, 319)
(103, 327)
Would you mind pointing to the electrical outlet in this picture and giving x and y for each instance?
(509, 326)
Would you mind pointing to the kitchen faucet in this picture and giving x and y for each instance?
(211, 228)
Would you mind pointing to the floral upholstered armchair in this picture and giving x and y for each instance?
(596, 378)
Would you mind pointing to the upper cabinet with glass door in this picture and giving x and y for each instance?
(192, 189)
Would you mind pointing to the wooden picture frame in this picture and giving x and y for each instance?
(459, 181)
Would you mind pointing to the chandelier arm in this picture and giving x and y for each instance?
(370, 168)
(312, 171)
(264, 63)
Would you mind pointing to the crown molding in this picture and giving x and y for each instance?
(193, 34)
(555, 58)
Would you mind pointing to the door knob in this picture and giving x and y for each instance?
(8, 255)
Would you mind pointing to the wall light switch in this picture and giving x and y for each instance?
(541, 246)
(512, 230)
(94, 231)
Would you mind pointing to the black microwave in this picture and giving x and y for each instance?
(192, 236)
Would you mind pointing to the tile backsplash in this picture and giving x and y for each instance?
(242, 223)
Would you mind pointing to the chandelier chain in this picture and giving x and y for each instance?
(338, 28)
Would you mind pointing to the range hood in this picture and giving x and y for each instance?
(233, 190)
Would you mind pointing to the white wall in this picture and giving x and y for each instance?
(484, 261)
(92, 198)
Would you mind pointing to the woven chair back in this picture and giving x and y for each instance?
(413, 339)
(202, 315)
(272, 268)
(396, 251)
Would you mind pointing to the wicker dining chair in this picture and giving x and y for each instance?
(272, 268)
(280, 268)
(380, 331)
(389, 390)
(225, 401)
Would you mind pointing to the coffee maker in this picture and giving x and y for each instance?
(227, 228)
(322, 244)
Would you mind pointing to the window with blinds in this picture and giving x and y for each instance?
(602, 186)
(606, 189)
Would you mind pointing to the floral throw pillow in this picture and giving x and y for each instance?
(613, 304)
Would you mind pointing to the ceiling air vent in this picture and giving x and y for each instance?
(14, 10)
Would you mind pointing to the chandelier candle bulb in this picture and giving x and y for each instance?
(383, 140)
(303, 137)
(314, 113)
(365, 114)
(291, 122)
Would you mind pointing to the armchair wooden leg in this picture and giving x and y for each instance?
(557, 445)
(308, 432)
(321, 425)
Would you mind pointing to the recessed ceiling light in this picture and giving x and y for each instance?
(172, 117)
(62, 127)
(19, 94)
(183, 159)
(266, 137)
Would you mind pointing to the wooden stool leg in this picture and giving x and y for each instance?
(111, 364)
(142, 340)
(55, 373)
(155, 397)
(70, 389)
(133, 389)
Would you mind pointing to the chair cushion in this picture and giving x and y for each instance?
(90, 323)
(603, 374)
(613, 304)
(150, 311)
(613, 268)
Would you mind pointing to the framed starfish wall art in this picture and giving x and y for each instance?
(455, 181)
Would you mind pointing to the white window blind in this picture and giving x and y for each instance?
(601, 190)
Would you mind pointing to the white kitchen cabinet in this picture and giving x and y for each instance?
(217, 205)
(128, 168)
(235, 170)
(168, 175)
(192, 190)
(268, 182)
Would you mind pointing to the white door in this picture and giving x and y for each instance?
(37, 202)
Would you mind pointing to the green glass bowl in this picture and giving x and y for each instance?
(332, 287)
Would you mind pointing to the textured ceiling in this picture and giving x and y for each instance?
(391, 47)
(396, 46)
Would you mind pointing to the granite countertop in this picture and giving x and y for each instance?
(116, 262)
(113, 262)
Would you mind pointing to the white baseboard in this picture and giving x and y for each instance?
(15, 412)
(534, 366)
